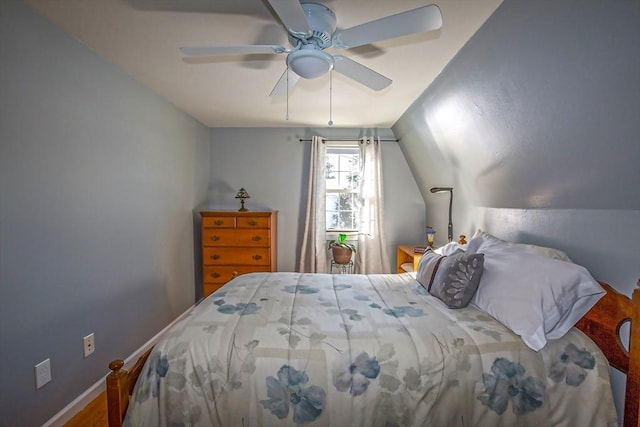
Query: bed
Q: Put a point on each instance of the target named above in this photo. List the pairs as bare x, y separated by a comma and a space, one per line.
368, 350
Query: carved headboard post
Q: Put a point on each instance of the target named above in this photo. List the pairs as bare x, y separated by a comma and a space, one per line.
117, 393
602, 324
632, 395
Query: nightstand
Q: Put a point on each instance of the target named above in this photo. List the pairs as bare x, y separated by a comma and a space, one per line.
406, 259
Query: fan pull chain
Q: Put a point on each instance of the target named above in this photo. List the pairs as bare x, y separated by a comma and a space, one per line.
331, 98
287, 116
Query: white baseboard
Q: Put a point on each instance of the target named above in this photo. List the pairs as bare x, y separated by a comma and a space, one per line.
80, 402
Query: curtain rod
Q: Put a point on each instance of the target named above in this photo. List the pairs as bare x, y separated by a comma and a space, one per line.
350, 139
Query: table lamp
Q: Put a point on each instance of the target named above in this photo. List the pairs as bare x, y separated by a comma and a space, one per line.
242, 194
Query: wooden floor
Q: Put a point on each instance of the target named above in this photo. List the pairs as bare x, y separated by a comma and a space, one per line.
93, 415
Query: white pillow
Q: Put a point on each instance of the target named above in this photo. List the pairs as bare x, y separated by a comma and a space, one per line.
474, 244
537, 297
490, 240
450, 248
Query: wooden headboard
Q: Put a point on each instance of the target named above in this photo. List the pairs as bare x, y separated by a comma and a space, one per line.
602, 324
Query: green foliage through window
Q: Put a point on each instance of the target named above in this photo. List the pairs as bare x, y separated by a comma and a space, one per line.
342, 182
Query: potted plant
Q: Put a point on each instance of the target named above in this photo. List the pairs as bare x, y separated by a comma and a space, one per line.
341, 250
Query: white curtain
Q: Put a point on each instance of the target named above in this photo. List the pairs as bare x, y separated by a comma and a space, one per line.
313, 257
371, 257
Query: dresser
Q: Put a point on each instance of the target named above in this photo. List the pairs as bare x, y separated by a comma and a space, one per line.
235, 243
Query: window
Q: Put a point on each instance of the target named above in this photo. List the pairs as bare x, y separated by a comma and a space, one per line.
342, 187
345, 180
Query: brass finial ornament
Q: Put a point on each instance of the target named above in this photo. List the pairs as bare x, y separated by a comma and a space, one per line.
242, 194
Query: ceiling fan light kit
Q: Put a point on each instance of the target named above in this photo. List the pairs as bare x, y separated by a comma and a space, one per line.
310, 63
312, 28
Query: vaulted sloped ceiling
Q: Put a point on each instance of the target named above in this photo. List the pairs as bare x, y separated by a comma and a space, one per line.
538, 111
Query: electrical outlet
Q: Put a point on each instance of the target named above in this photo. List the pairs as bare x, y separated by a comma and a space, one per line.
43, 373
89, 343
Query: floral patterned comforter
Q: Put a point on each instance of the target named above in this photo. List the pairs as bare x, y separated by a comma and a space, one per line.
285, 349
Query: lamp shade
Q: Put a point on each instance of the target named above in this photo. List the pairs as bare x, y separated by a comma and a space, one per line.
242, 194
441, 189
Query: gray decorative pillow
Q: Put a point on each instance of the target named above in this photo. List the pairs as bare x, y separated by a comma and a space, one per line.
427, 267
456, 279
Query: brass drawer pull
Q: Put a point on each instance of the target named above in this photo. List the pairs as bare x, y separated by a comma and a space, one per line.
215, 275
256, 238
253, 222
218, 222
215, 238
257, 257
215, 256
234, 274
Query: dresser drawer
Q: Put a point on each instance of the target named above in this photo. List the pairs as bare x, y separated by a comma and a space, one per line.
219, 222
252, 222
222, 274
235, 237
236, 243
220, 255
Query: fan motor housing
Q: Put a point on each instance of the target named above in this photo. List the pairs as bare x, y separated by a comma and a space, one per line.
322, 22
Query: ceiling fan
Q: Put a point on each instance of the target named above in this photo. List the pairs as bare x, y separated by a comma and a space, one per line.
312, 29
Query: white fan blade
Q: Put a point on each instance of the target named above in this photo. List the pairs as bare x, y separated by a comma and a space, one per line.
422, 19
292, 15
360, 73
280, 89
231, 50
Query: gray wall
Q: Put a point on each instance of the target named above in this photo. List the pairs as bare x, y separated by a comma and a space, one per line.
536, 124
272, 164
98, 180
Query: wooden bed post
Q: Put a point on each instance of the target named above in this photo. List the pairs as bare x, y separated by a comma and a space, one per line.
120, 383
117, 393
632, 399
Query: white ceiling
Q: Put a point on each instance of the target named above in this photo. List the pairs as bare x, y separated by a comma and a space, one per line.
143, 36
